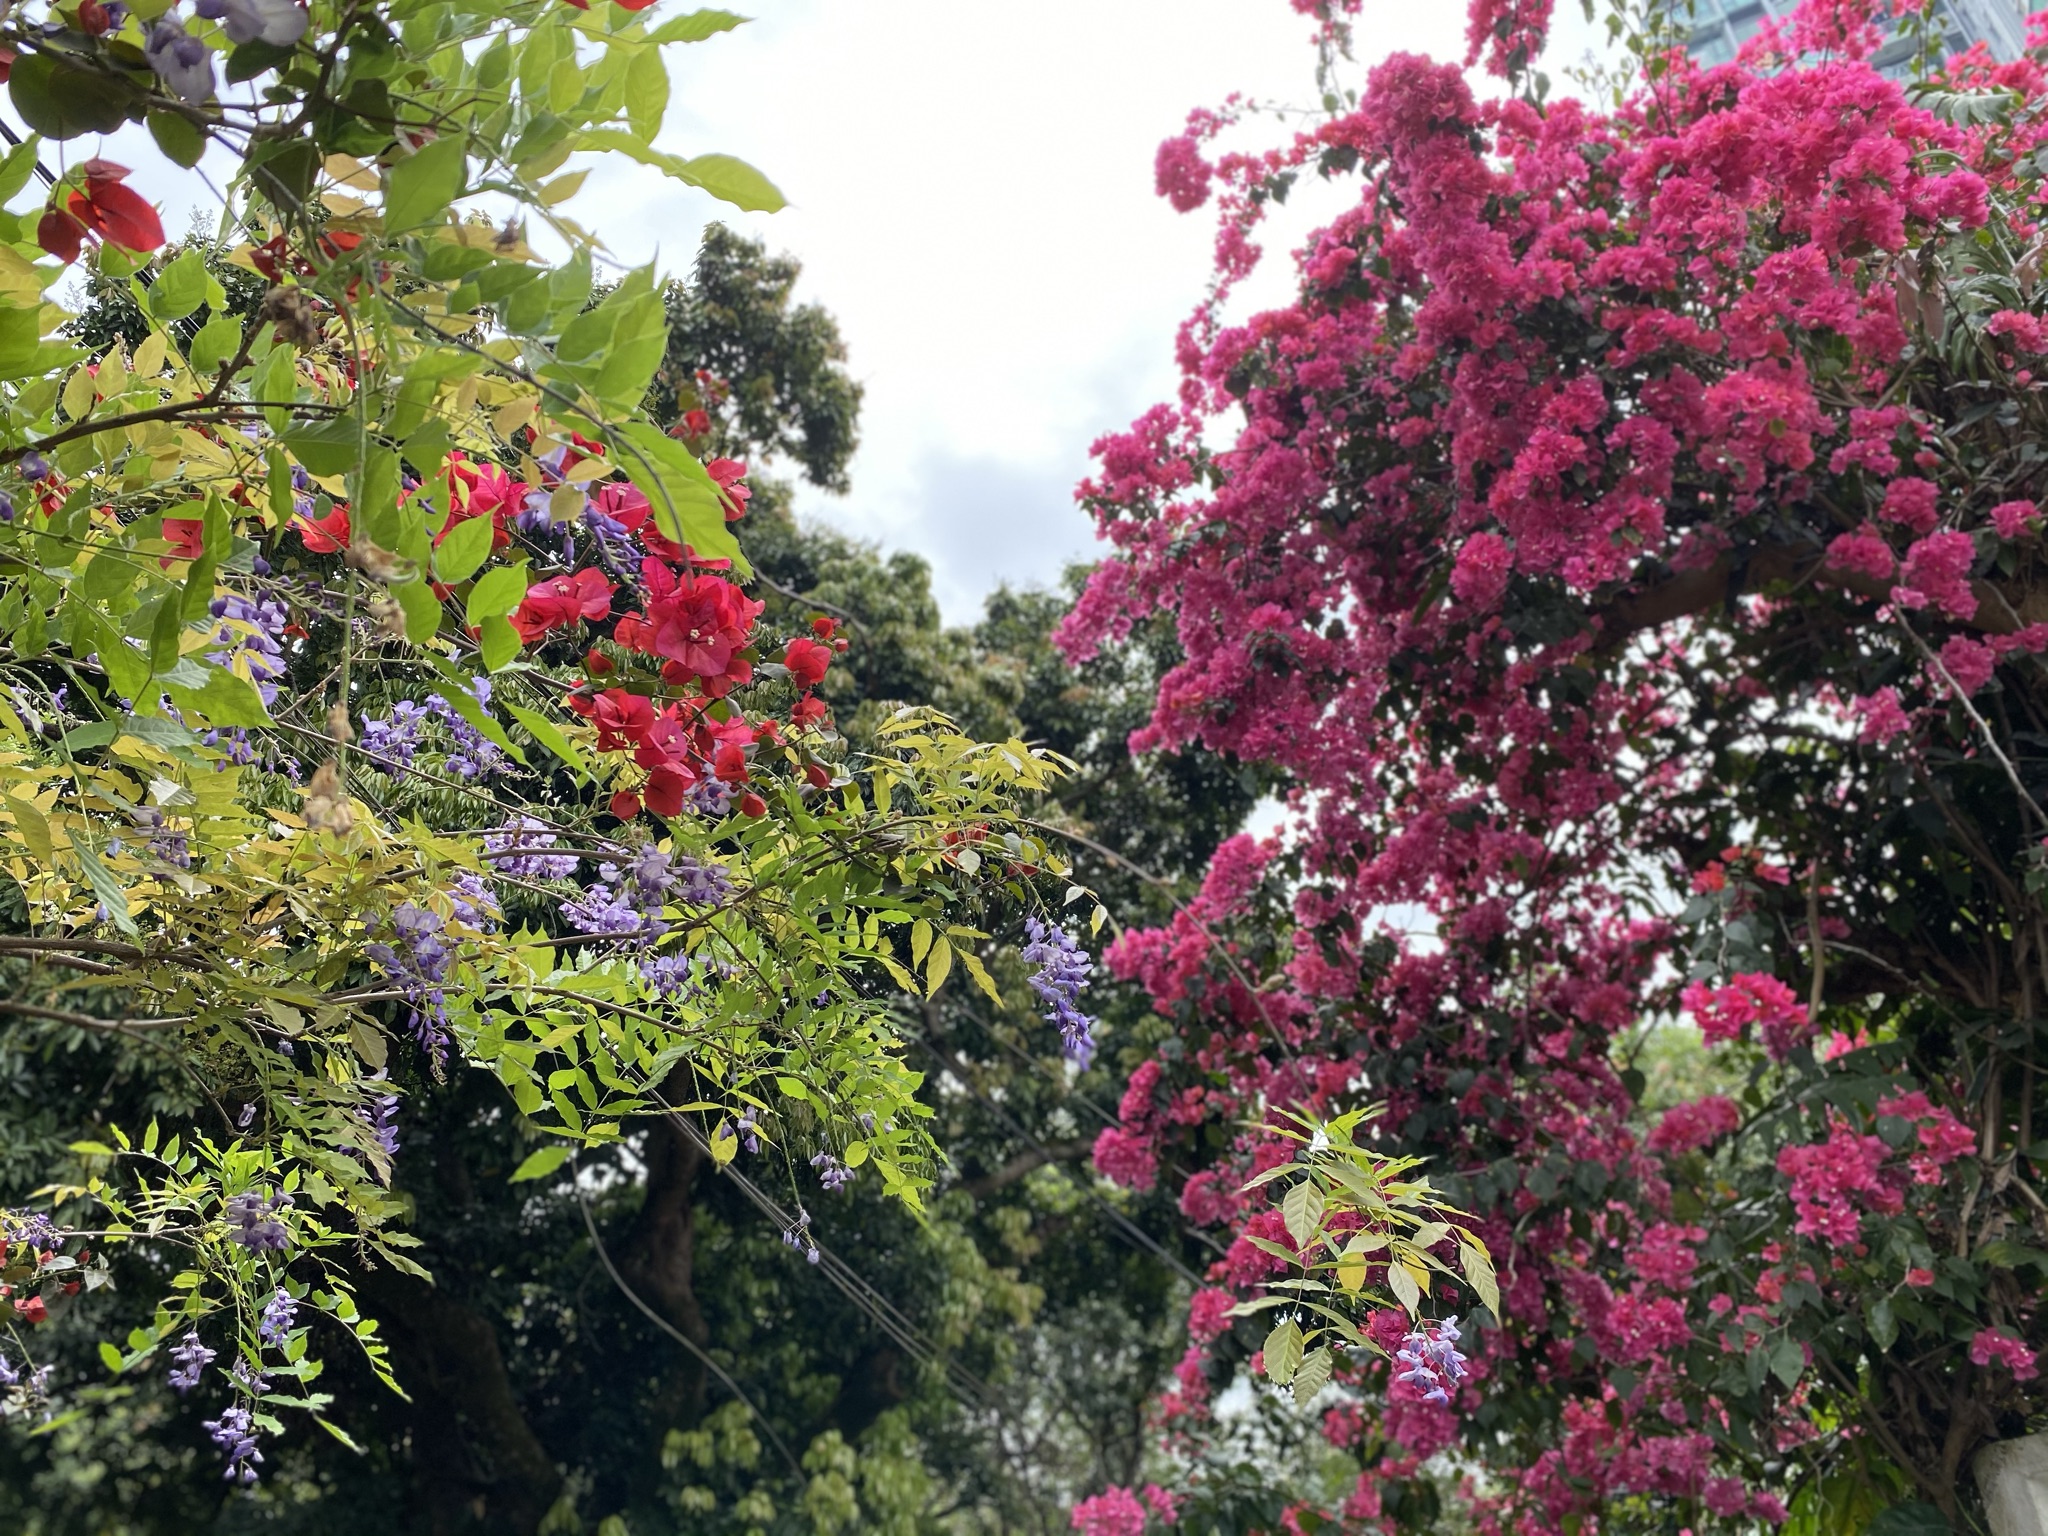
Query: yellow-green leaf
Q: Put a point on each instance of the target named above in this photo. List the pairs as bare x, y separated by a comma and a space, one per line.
541, 1163
1283, 1352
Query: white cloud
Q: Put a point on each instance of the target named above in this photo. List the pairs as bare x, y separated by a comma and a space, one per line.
971, 190
971, 194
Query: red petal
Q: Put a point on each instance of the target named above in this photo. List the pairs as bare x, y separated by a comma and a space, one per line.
60, 234
624, 806
125, 217
100, 172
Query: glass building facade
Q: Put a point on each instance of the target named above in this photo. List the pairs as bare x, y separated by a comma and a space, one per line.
1719, 27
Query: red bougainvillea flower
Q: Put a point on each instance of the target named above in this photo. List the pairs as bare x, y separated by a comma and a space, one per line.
117, 214
623, 719
625, 505
186, 536
807, 661
60, 234
560, 601
809, 711
625, 805
700, 623
325, 535
667, 788
752, 804
728, 473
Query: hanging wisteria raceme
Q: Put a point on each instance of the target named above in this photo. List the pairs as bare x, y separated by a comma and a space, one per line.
1061, 972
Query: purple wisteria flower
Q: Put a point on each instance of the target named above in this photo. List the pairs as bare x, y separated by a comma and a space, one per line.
712, 798
166, 842
1063, 968
470, 754
181, 61
33, 1228
235, 1435
627, 900
33, 466
419, 964
669, 975
279, 1313
381, 1116
798, 1235
394, 741
252, 628
277, 22
476, 905
832, 1173
520, 849
188, 1363
1433, 1365
395, 738
252, 1222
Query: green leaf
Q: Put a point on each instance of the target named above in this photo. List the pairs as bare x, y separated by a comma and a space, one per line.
1311, 1376
214, 345
1788, 1362
1884, 1327
544, 731
338, 1433
647, 92
178, 137
1406, 1291
1302, 1209
110, 1357
62, 102
422, 187
422, 610
688, 505
695, 27
541, 1163
466, 547
1479, 1275
497, 642
223, 700
105, 886
180, 287
1914, 1519
733, 181
16, 169
496, 593
332, 447
1283, 1352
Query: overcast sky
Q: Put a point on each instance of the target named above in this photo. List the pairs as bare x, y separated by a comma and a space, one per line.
971, 195
970, 190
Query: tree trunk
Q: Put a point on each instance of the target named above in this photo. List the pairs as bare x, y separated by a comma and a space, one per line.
478, 1463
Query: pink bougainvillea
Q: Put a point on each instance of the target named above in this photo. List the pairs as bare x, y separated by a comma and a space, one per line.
1625, 487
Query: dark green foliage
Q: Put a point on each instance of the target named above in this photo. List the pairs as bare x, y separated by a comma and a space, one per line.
790, 394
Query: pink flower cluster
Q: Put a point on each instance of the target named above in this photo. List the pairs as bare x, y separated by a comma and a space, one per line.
1117, 1511
1991, 1346
1695, 1125
1727, 1012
